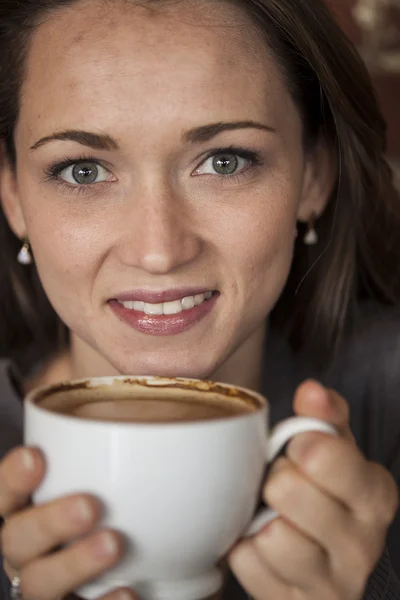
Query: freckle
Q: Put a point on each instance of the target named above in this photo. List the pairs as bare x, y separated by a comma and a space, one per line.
78, 38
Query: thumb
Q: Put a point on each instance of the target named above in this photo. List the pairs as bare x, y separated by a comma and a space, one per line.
312, 399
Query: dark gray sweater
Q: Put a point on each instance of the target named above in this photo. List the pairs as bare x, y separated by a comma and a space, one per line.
367, 373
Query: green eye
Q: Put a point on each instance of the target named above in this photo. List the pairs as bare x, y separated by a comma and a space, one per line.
225, 164
84, 173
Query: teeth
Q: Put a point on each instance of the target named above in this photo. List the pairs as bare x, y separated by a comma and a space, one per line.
153, 309
137, 306
172, 308
188, 303
168, 308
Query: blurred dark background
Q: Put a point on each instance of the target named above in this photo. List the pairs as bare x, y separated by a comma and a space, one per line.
374, 26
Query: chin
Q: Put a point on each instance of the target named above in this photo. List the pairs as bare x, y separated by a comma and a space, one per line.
167, 366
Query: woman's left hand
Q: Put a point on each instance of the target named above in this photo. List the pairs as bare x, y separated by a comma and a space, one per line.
335, 507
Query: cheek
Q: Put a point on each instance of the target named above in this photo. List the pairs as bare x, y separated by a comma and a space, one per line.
260, 240
66, 246
65, 251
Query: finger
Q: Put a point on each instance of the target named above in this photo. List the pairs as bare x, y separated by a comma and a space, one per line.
313, 513
20, 473
295, 558
58, 574
314, 400
37, 530
337, 467
120, 594
260, 582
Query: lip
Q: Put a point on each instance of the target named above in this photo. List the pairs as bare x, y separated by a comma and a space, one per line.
155, 297
163, 325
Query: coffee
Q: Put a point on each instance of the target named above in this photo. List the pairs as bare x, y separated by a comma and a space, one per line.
136, 402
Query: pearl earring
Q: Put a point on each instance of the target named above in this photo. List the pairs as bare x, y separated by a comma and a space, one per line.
24, 255
311, 237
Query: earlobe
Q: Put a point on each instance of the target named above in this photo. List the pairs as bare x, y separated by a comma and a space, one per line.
319, 182
9, 196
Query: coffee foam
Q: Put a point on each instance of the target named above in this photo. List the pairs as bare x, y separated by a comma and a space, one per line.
148, 401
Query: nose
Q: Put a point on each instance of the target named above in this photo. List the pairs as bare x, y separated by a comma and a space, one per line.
160, 232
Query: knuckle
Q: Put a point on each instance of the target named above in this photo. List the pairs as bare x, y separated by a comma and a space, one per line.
279, 485
362, 557
391, 503
19, 475
64, 518
9, 538
320, 456
385, 497
11, 552
75, 565
53, 576
329, 452
47, 522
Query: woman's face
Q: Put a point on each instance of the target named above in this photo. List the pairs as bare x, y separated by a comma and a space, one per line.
159, 158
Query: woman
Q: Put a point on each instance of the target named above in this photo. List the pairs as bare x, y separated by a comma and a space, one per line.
198, 188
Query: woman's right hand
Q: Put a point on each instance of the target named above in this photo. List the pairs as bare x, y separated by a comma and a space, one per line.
31, 536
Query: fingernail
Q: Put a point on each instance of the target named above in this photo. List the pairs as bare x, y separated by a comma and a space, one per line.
125, 595
83, 510
316, 389
27, 459
105, 546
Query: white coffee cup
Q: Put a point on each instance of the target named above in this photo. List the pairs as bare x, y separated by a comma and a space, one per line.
182, 492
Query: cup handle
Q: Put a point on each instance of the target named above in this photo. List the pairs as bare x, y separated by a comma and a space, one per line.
282, 433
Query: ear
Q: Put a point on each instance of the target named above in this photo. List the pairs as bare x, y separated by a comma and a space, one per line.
319, 180
9, 196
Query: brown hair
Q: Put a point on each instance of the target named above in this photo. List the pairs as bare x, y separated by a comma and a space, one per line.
357, 257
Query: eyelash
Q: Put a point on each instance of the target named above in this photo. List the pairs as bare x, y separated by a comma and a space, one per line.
53, 171
252, 156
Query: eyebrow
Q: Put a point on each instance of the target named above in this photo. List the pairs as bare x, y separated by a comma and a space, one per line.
207, 132
99, 141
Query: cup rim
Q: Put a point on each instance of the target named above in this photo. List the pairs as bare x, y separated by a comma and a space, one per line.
257, 400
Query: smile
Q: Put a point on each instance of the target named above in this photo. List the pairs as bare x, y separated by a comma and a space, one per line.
167, 308
170, 312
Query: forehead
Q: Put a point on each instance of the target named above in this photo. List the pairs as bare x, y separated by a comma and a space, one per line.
96, 57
